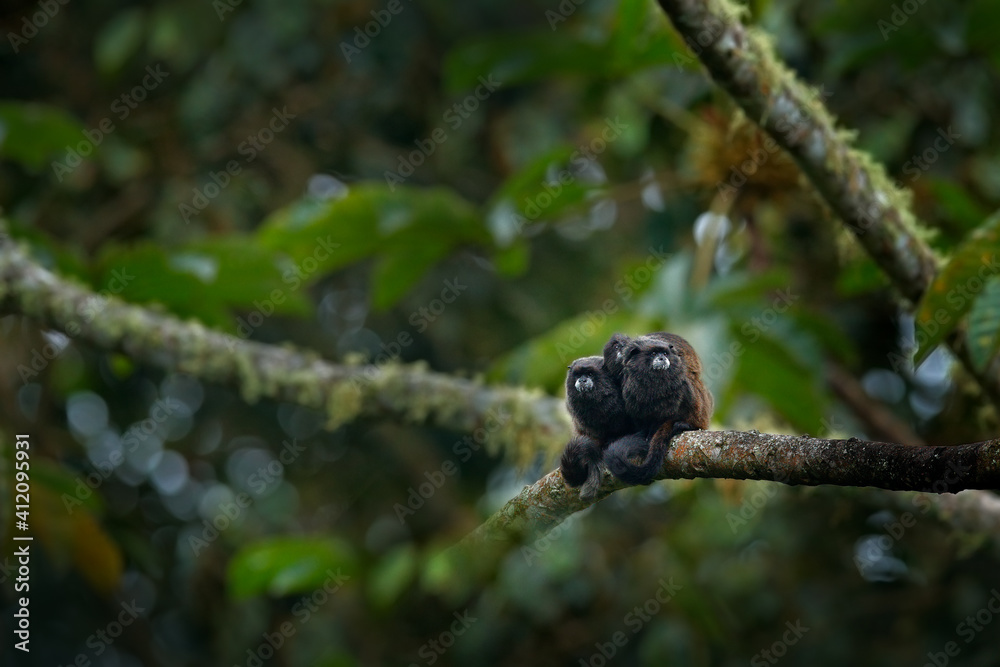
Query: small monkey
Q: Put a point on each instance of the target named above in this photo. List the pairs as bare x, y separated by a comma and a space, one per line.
595, 403
664, 395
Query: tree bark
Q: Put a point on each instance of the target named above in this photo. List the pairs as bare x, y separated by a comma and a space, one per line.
789, 459
742, 62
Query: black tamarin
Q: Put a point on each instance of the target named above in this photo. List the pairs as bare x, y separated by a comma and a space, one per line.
595, 402
664, 395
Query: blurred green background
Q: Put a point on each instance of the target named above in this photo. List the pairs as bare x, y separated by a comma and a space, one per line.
492, 188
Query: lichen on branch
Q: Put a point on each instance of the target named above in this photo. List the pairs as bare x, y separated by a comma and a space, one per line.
511, 419
741, 60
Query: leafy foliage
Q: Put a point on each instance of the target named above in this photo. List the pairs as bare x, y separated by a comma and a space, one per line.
568, 203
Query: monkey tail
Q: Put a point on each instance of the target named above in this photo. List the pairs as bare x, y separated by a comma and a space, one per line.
581, 456
620, 453
618, 456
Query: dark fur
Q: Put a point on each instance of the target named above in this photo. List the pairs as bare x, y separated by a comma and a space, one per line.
595, 403
661, 401
614, 356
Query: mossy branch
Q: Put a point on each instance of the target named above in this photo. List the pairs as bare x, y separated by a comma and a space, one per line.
789, 459
741, 60
514, 419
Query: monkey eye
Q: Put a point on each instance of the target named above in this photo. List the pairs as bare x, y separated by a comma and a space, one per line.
584, 383
661, 361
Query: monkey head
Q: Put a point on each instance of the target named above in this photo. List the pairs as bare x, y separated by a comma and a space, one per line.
595, 402
614, 356
662, 382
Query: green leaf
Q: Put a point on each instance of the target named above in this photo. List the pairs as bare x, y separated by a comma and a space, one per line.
207, 279
392, 575
542, 361
525, 57
406, 230
984, 324
398, 271
546, 188
768, 369
631, 19
119, 40
956, 204
860, 276
642, 38
513, 260
951, 294
248, 273
31, 133
285, 565
744, 291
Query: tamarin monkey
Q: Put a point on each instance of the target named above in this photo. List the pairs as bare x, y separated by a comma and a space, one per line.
614, 356
664, 395
595, 403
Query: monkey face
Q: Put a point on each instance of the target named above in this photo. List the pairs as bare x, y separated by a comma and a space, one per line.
594, 400
614, 356
585, 376
655, 387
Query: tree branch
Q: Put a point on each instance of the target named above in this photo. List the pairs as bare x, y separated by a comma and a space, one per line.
514, 418
789, 459
742, 62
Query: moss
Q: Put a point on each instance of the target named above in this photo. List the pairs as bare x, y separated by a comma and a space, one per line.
343, 404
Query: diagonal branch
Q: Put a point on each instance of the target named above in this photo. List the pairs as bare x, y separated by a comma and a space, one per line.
513, 418
789, 459
742, 62
516, 417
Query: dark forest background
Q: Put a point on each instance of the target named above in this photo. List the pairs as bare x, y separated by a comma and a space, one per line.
491, 189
